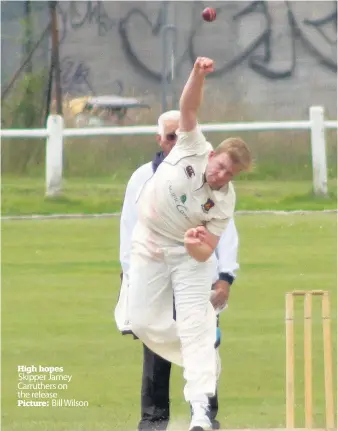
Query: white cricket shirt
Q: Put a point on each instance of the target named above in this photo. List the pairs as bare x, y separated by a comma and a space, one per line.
226, 252
177, 197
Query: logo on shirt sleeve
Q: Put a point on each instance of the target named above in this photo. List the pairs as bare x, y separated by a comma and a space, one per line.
208, 205
189, 171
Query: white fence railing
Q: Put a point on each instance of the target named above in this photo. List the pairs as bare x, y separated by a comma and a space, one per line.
55, 132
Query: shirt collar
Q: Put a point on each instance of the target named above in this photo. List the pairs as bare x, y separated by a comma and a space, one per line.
217, 194
157, 160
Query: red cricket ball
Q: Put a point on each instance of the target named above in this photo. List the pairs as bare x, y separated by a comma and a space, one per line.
209, 14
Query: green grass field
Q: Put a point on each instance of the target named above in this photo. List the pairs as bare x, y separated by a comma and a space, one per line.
26, 195
60, 281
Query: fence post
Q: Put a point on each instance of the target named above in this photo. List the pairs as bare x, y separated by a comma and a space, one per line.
54, 150
318, 150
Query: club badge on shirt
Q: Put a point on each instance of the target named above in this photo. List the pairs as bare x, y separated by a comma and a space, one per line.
208, 205
189, 171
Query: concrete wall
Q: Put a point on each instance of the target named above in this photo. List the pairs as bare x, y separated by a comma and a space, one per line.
274, 59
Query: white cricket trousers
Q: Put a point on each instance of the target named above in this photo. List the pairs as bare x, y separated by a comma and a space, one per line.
160, 272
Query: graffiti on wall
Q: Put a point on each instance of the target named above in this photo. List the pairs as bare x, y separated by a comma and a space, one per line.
75, 15
317, 35
75, 76
278, 31
279, 50
131, 46
75, 72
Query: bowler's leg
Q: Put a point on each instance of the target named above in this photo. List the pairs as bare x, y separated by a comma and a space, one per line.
151, 307
196, 326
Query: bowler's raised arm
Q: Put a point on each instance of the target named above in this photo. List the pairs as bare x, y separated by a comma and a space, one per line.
192, 94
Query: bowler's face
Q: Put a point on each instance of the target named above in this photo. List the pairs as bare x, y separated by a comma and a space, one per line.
220, 170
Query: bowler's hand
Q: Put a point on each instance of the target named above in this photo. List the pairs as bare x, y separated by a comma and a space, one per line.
196, 235
220, 294
191, 237
204, 65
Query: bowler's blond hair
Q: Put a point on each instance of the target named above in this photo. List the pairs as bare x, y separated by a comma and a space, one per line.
238, 152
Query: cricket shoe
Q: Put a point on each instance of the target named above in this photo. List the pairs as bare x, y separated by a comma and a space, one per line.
215, 424
200, 420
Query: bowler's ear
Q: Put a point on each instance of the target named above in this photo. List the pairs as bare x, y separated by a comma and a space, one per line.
158, 138
211, 154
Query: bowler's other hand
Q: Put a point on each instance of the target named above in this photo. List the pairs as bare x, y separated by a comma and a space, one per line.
220, 294
204, 65
192, 237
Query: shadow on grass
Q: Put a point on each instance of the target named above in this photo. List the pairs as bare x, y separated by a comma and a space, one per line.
62, 200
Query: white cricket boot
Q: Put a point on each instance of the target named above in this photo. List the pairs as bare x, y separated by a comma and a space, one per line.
200, 420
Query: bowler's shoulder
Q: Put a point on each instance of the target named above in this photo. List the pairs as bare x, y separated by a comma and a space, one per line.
190, 145
191, 142
231, 190
231, 195
227, 201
